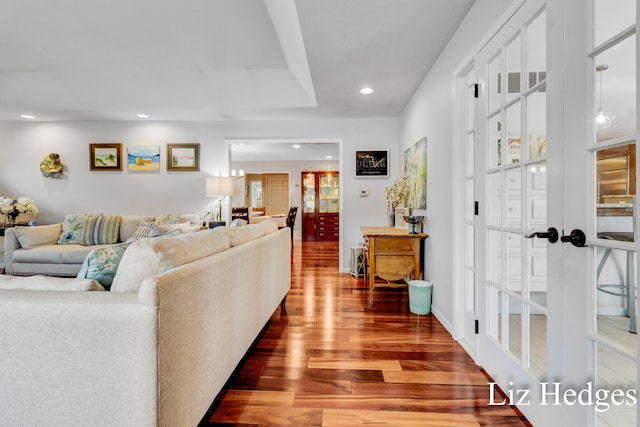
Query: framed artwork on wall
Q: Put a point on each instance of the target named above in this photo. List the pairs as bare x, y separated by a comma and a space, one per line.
415, 169
183, 157
143, 157
372, 163
105, 157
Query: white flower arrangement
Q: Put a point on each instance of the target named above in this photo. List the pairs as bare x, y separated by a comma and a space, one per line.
397, 192
12, 207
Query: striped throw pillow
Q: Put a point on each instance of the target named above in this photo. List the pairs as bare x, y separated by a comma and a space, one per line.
101, 230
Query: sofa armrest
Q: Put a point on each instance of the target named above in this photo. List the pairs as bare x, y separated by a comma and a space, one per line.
77, 359
11, 244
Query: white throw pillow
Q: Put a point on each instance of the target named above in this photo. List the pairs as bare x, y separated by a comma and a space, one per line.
31, 237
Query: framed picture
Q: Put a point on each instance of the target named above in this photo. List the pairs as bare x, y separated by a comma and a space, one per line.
400, 213
143, 157
415, 169
105, 157
183, 157
372, 163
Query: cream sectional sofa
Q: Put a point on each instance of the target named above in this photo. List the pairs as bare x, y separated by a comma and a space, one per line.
42, 254
154, 351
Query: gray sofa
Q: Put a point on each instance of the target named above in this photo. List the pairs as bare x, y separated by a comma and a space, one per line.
155, 350
46, 257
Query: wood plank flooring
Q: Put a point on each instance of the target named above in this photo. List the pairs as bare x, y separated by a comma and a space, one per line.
330, 359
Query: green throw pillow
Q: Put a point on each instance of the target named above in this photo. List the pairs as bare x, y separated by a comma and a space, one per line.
73, 229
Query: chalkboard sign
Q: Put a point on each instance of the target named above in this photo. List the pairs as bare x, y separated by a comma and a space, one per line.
372, 163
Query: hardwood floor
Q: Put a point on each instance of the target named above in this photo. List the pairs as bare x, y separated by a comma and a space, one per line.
331, 359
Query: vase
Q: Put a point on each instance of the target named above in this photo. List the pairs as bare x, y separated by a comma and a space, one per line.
11, 218
391, 216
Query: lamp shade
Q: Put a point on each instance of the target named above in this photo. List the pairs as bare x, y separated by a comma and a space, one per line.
219, 186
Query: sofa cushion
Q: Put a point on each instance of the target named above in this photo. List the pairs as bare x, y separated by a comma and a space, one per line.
72, 229
101, 230
30, 237
102, 263
53, 254
166, 228
45, 283
146, 258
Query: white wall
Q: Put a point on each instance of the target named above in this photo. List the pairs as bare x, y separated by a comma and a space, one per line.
429, 114
24, 145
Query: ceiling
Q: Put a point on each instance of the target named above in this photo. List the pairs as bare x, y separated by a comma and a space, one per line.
217, 59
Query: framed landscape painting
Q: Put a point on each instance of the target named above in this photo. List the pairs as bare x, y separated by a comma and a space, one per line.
143, 157
183, 157
415, 169
105, 157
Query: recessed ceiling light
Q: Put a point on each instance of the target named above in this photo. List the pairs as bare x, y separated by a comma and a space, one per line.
296, 145
142, 116
329, 157
366, 91
27, 116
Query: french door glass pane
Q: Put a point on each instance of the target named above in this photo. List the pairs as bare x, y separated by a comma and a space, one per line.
515, 326
495, 314
611, 17
495, 142
616, 307
514, 198
538, 344
537, 271
514, 61
537, 196
495, 83
514, 262
537, 123
495, 198
537, 50
615, 91
514, 137
616, 192
496, 255
615, 372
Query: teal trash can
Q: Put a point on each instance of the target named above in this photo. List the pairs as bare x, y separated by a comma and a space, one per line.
420, 296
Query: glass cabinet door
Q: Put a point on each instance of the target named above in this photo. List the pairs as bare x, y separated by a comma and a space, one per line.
329, 193
309, 193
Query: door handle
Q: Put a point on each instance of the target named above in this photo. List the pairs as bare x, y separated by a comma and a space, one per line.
551, 234
577, 238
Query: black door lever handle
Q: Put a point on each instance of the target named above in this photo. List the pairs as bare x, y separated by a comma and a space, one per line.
577, 238
551, 234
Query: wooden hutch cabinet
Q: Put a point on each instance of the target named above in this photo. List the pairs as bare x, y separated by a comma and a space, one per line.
320, 205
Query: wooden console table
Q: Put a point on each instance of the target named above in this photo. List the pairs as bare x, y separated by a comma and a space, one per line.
391, 254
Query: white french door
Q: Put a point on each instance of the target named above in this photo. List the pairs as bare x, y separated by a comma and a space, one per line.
551, 260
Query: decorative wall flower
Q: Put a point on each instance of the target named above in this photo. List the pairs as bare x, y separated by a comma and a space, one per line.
12, 207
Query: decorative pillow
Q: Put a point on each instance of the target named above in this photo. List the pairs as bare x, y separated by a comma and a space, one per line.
101, 264
101, 230
30, 237
168, 219
72, 229
144, 229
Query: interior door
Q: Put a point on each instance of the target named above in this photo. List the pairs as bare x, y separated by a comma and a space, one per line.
276, 190
513, 158
555, 175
